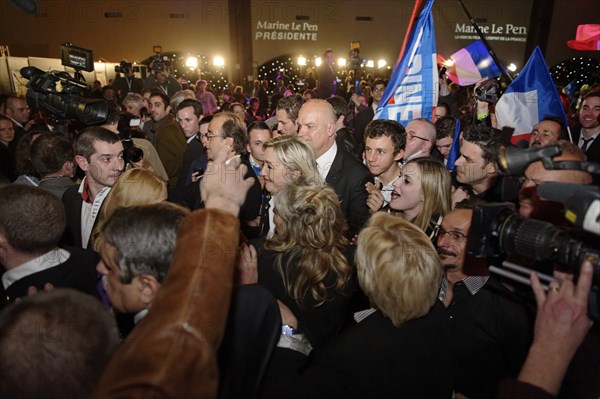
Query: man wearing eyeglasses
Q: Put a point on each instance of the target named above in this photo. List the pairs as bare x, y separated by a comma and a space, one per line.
488, 326
420, 138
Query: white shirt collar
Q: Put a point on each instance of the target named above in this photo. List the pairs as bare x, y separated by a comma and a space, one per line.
15, 122
325, 161
189, 139
140, 315
593, 136
50, 259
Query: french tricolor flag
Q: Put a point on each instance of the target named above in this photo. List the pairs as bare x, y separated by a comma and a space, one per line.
470, 64
529, 98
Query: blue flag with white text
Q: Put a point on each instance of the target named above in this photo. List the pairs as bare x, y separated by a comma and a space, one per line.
413, 88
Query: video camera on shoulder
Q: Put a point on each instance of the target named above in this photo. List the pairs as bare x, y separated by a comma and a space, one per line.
124, 67
159, 62
63, 96
496, 229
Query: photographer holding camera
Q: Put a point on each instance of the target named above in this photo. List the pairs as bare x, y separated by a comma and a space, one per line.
488, 325
127, 83
159, 78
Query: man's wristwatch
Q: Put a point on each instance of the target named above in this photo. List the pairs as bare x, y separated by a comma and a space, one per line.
288, 330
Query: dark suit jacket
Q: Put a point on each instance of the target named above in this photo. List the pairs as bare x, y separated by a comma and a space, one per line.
593, 150
360, 122
263, 98
72, 202
348, 176
193, 150
374, 359
7, 164
170, 145
78, 272
326, 77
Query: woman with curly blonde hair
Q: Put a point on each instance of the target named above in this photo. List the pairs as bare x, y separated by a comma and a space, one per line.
304, 264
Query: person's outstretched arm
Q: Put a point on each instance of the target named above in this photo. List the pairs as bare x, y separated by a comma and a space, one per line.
171, 353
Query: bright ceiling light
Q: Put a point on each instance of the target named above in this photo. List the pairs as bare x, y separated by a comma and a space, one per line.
191, 62
218, 61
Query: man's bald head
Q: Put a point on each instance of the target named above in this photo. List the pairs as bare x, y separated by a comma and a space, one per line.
316, 124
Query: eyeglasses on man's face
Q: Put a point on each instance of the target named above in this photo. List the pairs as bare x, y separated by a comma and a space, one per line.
413, 135
453, 234
207, 136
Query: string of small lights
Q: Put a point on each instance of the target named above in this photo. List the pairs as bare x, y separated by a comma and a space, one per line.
577, 70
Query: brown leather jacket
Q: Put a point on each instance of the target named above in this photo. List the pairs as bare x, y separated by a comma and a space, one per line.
171, 353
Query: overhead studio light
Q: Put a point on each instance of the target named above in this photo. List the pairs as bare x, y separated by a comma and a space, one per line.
381, 63
341, 62
218, 61
318, 61
301, 61
191, 62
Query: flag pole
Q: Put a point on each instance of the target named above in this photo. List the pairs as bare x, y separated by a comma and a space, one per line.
486, 44
413, 17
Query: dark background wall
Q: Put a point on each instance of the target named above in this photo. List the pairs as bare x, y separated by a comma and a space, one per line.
128, 29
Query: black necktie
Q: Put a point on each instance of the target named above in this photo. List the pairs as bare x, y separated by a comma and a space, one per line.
586, 142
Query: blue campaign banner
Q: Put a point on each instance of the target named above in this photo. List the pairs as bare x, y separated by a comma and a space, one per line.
413, 88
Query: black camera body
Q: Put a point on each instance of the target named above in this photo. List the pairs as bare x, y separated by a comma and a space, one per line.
159, 63
62, 96
124, 67
488, 91
498, 230
131, 153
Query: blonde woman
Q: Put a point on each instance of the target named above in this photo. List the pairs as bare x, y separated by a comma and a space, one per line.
304, 264
422, 193
134, 187
286, 158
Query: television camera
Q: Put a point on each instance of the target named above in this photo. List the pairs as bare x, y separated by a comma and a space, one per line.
496, 230
62, 95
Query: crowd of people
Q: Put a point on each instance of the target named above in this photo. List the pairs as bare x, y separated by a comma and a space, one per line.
277, 244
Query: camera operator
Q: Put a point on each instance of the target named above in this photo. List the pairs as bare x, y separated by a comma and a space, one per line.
488, 325
18, 111
127, 82
121, 124
531, 205
159, 79
561, 325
